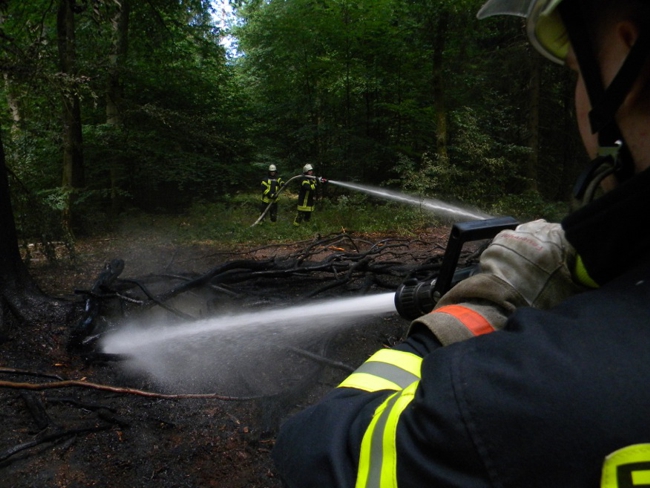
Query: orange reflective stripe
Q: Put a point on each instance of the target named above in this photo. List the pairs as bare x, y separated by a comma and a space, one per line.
474, 321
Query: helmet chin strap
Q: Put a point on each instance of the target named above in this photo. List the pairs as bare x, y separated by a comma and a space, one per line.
614, 157
600, 168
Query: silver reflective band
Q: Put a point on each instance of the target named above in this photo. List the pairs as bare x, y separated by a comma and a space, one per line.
390, 372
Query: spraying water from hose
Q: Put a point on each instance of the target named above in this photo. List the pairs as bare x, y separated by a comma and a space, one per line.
241, 354
452, 212
258, 352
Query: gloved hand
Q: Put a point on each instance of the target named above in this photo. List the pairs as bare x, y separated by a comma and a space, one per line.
321, 179
529, 266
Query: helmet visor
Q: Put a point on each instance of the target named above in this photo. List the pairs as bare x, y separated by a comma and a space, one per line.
545, 29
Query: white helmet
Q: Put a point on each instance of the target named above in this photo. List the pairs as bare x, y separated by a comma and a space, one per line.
272, 168
307, 167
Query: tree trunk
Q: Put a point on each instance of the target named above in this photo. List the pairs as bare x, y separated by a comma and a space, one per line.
114, 93
20, 297
73, 166
533, 122
13, 104
438, 86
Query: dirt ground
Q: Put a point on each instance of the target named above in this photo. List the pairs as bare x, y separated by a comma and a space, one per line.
76, 436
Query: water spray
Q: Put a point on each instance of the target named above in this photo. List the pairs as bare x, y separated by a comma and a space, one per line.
451, 211
260, 352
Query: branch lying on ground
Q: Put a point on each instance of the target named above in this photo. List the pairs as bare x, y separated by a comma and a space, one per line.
336, 261
117, 389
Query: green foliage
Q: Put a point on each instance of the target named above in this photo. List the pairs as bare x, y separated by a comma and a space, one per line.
232, 224
479, 171
530, 206
347, 86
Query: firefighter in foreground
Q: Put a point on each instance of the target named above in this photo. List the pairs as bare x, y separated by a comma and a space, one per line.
535, 372
270, 187
307, 194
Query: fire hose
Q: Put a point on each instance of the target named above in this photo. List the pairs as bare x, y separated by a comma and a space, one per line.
415, 298
320, 179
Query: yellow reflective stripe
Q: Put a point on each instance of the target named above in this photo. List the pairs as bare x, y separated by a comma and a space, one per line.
378, 457
580, 273
387, 369
627, 467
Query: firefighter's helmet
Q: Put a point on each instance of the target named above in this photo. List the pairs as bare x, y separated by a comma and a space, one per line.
307, 167
272, 168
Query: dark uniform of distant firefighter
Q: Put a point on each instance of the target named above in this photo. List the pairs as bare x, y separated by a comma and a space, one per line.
270, 187
534, 372
307, 194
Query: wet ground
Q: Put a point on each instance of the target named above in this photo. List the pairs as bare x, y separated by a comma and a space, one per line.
76, 436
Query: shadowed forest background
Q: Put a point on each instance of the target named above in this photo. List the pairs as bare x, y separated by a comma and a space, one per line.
111, 107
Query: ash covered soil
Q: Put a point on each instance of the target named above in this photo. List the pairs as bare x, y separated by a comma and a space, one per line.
77, 436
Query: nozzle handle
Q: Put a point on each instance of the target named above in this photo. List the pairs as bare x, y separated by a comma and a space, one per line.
462, 232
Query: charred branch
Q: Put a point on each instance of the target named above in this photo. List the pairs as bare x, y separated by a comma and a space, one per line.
337, 262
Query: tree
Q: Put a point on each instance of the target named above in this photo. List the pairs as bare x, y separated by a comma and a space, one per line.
20, 296
73, 161
115, 91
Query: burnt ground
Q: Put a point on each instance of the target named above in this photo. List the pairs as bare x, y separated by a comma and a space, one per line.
77, 436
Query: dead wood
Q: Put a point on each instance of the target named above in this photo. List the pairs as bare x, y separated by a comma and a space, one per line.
117, 389
335, 262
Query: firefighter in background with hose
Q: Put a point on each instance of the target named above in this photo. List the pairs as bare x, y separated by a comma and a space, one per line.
307, 194
270, 188
534, 372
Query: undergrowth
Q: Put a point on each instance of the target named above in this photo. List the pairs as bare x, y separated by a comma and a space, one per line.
231, 224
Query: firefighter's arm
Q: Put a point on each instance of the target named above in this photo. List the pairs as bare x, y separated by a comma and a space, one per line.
528, 266
342, 440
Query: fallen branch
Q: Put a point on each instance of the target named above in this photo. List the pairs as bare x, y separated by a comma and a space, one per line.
117, 389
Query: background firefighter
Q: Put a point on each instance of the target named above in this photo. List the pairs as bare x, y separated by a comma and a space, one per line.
533, 372
307, 195
270, 187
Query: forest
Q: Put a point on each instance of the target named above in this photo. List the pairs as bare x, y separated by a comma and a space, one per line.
114, 105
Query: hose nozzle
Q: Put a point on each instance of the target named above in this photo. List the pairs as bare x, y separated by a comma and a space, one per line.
415, 298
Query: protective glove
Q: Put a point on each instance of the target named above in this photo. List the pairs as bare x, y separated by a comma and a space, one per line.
528, 266
321, 179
